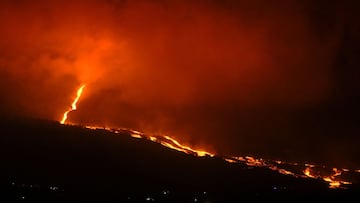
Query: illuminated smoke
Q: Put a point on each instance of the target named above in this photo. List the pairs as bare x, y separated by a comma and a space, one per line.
233, 77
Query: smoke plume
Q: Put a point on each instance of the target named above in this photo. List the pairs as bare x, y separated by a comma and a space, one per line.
239, 77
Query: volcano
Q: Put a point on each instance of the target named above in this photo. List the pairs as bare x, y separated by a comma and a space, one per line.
45, 160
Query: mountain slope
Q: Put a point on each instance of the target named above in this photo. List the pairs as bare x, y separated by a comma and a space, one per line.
71, 162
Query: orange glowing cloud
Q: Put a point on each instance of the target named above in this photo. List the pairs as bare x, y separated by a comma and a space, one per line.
232, 75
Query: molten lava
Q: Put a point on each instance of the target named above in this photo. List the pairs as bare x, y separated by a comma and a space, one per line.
287, 168
73, 105
294, 169
332, 180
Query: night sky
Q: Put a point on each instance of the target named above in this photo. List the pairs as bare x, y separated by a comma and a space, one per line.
266, 78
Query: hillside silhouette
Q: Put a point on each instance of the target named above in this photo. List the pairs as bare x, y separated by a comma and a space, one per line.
44, 160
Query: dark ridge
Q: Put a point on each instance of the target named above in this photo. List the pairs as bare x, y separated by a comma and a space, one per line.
44, 160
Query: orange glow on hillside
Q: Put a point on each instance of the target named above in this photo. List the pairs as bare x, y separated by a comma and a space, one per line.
287, 168
297, 170
333, 180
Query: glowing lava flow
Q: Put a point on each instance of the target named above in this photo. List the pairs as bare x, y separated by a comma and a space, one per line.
73, 105
287, 168
330, 179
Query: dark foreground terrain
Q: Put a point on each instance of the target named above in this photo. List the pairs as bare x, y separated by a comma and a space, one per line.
43, 160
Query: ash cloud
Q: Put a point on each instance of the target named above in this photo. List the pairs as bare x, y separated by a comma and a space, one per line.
239, 77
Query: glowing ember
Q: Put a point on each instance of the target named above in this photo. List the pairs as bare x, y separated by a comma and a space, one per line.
308, 173
135, 136
333, 180
285, 172
73, 105
186, 149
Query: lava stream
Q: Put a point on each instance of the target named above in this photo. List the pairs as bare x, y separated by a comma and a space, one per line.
73, 105
287, 168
